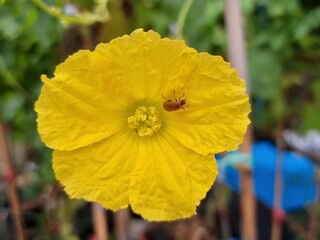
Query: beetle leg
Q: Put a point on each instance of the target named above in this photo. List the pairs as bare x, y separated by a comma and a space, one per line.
174, 95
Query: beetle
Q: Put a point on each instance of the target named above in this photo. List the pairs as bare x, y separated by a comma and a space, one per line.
174, 105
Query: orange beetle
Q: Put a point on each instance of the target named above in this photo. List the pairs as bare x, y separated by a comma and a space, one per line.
174, 105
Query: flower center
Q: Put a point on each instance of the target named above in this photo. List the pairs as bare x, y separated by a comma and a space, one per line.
145, 121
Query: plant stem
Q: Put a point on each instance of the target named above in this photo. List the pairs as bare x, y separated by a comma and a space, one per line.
15, 207
182, 17
84, 19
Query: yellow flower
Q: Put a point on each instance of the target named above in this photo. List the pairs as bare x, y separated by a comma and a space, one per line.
114, 143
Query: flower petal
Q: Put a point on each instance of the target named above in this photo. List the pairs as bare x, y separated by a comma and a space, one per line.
99, 172
161, 182
150, 64
80, 105
216, 116
169, 180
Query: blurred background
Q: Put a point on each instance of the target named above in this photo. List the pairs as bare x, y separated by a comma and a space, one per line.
283, 58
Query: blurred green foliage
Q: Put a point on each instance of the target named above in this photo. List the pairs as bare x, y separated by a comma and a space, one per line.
28, 38
283, 45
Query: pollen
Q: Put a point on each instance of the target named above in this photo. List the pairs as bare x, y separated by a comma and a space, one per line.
145, 121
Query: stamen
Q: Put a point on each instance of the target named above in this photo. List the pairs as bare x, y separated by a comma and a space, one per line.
145, 121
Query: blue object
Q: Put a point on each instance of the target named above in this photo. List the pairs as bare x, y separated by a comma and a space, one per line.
299, 185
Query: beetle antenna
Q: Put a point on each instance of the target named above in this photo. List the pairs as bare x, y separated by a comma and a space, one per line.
164, 97
187, 91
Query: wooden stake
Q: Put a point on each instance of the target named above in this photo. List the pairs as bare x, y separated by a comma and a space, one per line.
314, 221
15, 207
237, 57
278, 214
276, 230
99, 222
122, 218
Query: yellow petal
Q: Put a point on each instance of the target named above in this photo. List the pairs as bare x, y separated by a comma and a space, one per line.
150, 64
99, 172
216, 116
169, 180
80, 105
95, 71
157, 176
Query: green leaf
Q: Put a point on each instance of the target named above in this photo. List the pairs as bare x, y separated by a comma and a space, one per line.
9, 27
265, 73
